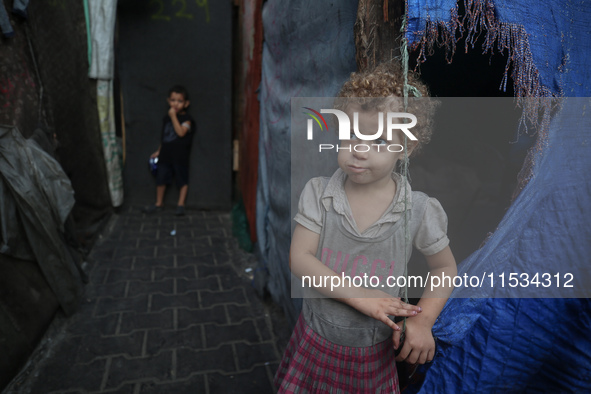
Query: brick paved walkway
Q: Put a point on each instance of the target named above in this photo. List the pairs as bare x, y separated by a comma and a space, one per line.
162, 314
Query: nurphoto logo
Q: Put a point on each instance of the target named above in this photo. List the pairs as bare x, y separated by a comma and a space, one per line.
393, 120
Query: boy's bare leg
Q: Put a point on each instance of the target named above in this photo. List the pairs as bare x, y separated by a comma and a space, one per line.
160, 189
183, 195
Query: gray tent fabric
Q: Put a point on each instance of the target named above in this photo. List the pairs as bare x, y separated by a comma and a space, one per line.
36, 198
297, 62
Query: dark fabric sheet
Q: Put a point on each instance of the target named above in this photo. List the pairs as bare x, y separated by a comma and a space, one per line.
37, 197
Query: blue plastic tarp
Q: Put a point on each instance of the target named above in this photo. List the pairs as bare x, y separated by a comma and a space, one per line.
513, 344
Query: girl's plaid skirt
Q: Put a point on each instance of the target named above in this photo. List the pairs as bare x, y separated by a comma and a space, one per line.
312, 364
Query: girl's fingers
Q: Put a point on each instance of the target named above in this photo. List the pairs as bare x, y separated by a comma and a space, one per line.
423, 358
396, 338
404, 312
404, 353
386, 319
402, 305
430, 355
413, 357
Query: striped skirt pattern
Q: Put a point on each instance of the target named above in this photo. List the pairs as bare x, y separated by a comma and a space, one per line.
312, 364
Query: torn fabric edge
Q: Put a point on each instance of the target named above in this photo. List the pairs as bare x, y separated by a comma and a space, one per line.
479, 18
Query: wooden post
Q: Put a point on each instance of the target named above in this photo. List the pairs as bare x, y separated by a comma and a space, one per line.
377, 31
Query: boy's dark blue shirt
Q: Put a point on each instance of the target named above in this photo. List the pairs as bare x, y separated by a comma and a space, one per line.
176, 149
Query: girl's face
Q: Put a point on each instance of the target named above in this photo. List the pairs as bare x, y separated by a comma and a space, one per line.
370, 162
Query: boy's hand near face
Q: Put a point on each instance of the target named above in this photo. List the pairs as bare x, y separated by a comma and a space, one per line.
172, 112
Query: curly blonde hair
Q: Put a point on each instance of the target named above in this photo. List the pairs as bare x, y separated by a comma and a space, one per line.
381, 89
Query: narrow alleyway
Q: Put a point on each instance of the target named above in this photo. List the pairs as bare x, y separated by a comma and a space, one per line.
169, 309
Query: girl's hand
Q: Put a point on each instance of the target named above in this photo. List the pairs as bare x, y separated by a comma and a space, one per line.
380, 305
419, 344
155, 154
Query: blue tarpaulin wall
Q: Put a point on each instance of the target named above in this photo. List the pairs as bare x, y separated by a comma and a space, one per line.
513, 344
484, 344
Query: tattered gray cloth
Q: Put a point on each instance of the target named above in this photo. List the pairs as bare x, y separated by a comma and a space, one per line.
36, 197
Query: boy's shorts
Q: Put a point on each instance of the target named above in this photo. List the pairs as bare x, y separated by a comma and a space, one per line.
166, 172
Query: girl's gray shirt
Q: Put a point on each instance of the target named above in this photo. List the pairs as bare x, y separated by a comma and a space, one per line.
377, 256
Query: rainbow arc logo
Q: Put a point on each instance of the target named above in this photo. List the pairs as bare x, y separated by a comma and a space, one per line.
315, 115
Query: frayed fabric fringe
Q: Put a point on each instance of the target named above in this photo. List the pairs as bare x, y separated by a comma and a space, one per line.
532, 96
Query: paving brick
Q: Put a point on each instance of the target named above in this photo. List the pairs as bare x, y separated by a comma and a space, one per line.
120, 263
126, 389
220, 241
217, 257
255, 301
162, 242
86, 306
251, 354
189, 360
92, 347
209, 249
195, 260
209, 298
126, 239
231, 281
140, 321
204, 231
107, 306
185, 285
216, 334
126, 370
160, 301
181, 233
134, 252
151, 262
136, 288
98, 275
60, 376
144, 234
165, 227
119, 275
171, 339
264, 329
183, 227
106, 290
110, 244
188, 317
220, 270
102, 254
255, 381
86, 325
179, 250
239, 312
181, 272
139, 220
194, 385
273, 367
133, 228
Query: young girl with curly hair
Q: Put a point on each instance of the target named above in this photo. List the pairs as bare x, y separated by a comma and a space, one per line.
363, 222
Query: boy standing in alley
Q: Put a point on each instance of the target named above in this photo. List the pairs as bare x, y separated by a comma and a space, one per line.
178, 129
